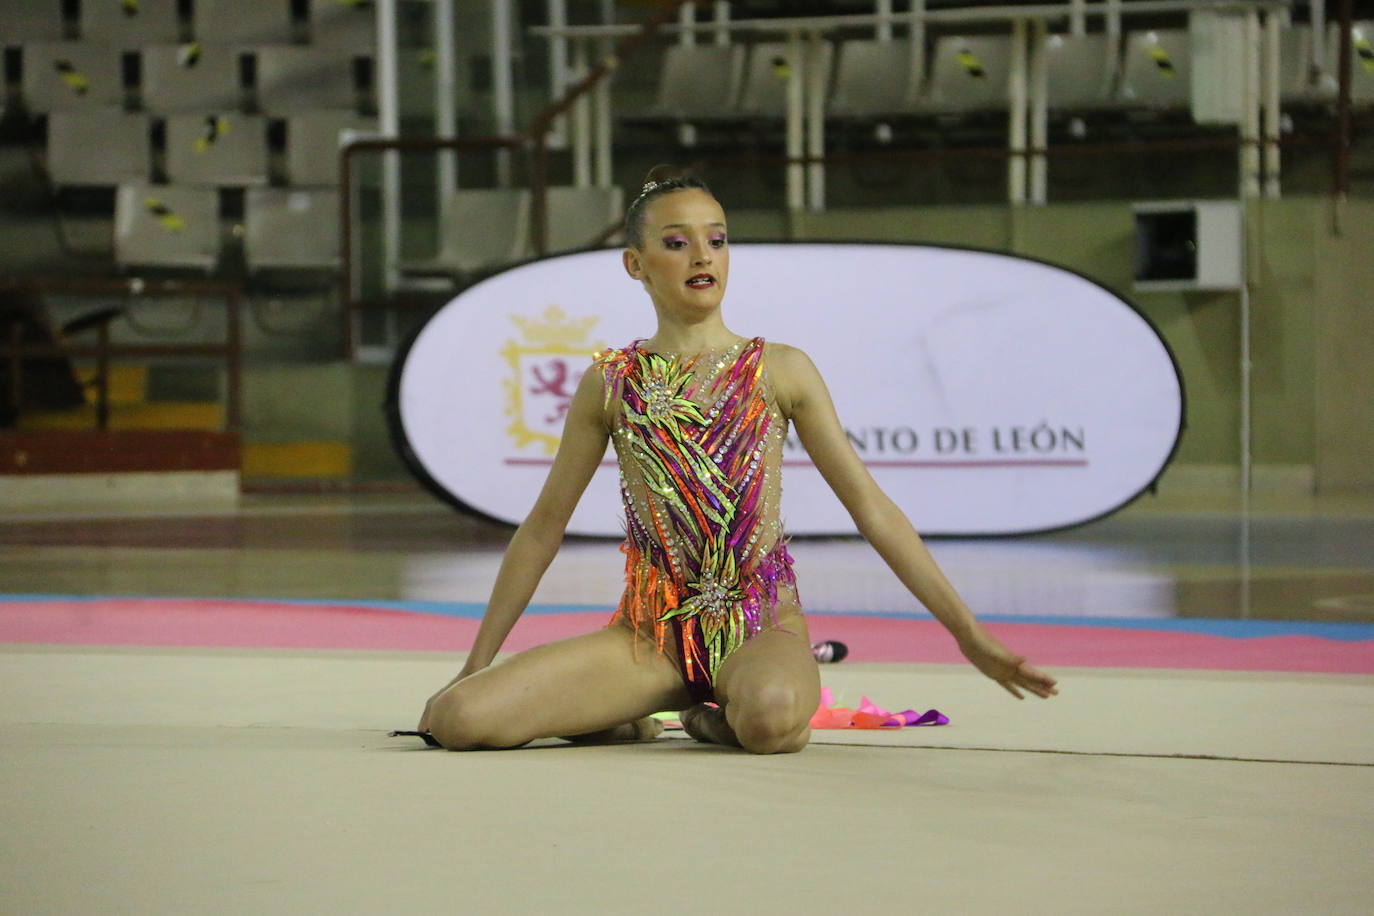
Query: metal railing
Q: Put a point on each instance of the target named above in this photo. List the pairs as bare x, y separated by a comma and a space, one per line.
534, 141
1257, 142
15, 351
1027, 134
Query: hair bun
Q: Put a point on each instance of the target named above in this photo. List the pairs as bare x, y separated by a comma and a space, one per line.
661, 173
661, 179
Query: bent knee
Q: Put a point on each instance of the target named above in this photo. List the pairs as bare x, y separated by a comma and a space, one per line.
460, 723
777, 744
772, 720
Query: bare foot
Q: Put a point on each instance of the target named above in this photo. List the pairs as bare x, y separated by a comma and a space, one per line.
645, 729
707, 724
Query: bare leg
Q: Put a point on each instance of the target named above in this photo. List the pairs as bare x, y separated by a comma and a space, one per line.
708, 725
645, 729
768, 690
593, 687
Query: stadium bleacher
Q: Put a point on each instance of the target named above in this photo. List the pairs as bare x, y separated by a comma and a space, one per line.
166, 226
98, 147
221, 94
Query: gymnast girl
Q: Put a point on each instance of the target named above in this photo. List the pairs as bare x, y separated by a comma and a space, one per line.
709, 623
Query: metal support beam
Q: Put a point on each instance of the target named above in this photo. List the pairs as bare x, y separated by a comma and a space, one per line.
605, 124
1016, 127
1112, 27
1320, 64
389, 122
557, 11
815, 121
721, 18
1273, 20
1250, 110
581, 119
1344, 118
604, 127
916, 38
796, 117
503, 83
1039, 113
445, 94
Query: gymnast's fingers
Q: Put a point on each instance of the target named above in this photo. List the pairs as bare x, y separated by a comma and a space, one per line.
1037, 681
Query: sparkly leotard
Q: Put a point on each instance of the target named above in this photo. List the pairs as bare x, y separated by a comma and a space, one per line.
699, 439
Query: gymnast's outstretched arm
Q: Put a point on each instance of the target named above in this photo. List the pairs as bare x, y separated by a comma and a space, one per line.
536, 542
805, 400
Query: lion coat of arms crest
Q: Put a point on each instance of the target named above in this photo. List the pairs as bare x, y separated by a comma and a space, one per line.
545, 367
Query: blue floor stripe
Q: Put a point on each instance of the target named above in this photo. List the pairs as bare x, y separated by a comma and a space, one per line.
1234, 629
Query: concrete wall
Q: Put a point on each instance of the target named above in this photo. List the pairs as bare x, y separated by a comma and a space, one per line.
1343, 311
328, 403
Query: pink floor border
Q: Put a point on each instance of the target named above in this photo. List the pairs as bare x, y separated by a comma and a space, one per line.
197, 622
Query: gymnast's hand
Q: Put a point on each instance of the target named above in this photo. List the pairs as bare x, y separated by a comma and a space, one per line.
424, 716
429, 704
1005, 667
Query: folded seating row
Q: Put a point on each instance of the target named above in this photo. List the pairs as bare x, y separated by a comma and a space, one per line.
106, 146
484, 228
176, 226
968, 73
341, 25
57, 76
179, 226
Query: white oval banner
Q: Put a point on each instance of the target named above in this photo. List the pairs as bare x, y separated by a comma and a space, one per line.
988, 393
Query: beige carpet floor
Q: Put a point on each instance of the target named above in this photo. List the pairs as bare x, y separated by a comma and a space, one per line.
213, 781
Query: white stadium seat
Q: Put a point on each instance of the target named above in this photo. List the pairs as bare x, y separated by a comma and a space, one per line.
71, 74
98, 147
344, 26
968, 73
238, 22
166, 226
217, 149
578, 215
1295, 64
699, 82
292, 79
767, 75
313, 139
874, 78
1157, 69
130, 25
1080, 71
31, 20
1362, 59
291, 229
191, 77
480, 228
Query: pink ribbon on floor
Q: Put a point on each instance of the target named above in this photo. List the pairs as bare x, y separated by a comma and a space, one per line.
870, 715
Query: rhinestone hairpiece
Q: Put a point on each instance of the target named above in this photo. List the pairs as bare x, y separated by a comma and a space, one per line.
648, 186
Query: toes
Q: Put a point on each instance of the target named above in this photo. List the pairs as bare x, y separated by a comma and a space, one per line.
647, 728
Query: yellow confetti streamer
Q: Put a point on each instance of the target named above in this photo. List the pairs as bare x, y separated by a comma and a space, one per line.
1162, 61
215, 127
76, 81
169, 220
972, 66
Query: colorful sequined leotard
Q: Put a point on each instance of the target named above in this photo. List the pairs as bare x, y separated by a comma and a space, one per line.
700, 442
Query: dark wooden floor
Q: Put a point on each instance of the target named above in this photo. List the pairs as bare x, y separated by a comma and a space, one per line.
1301, 559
